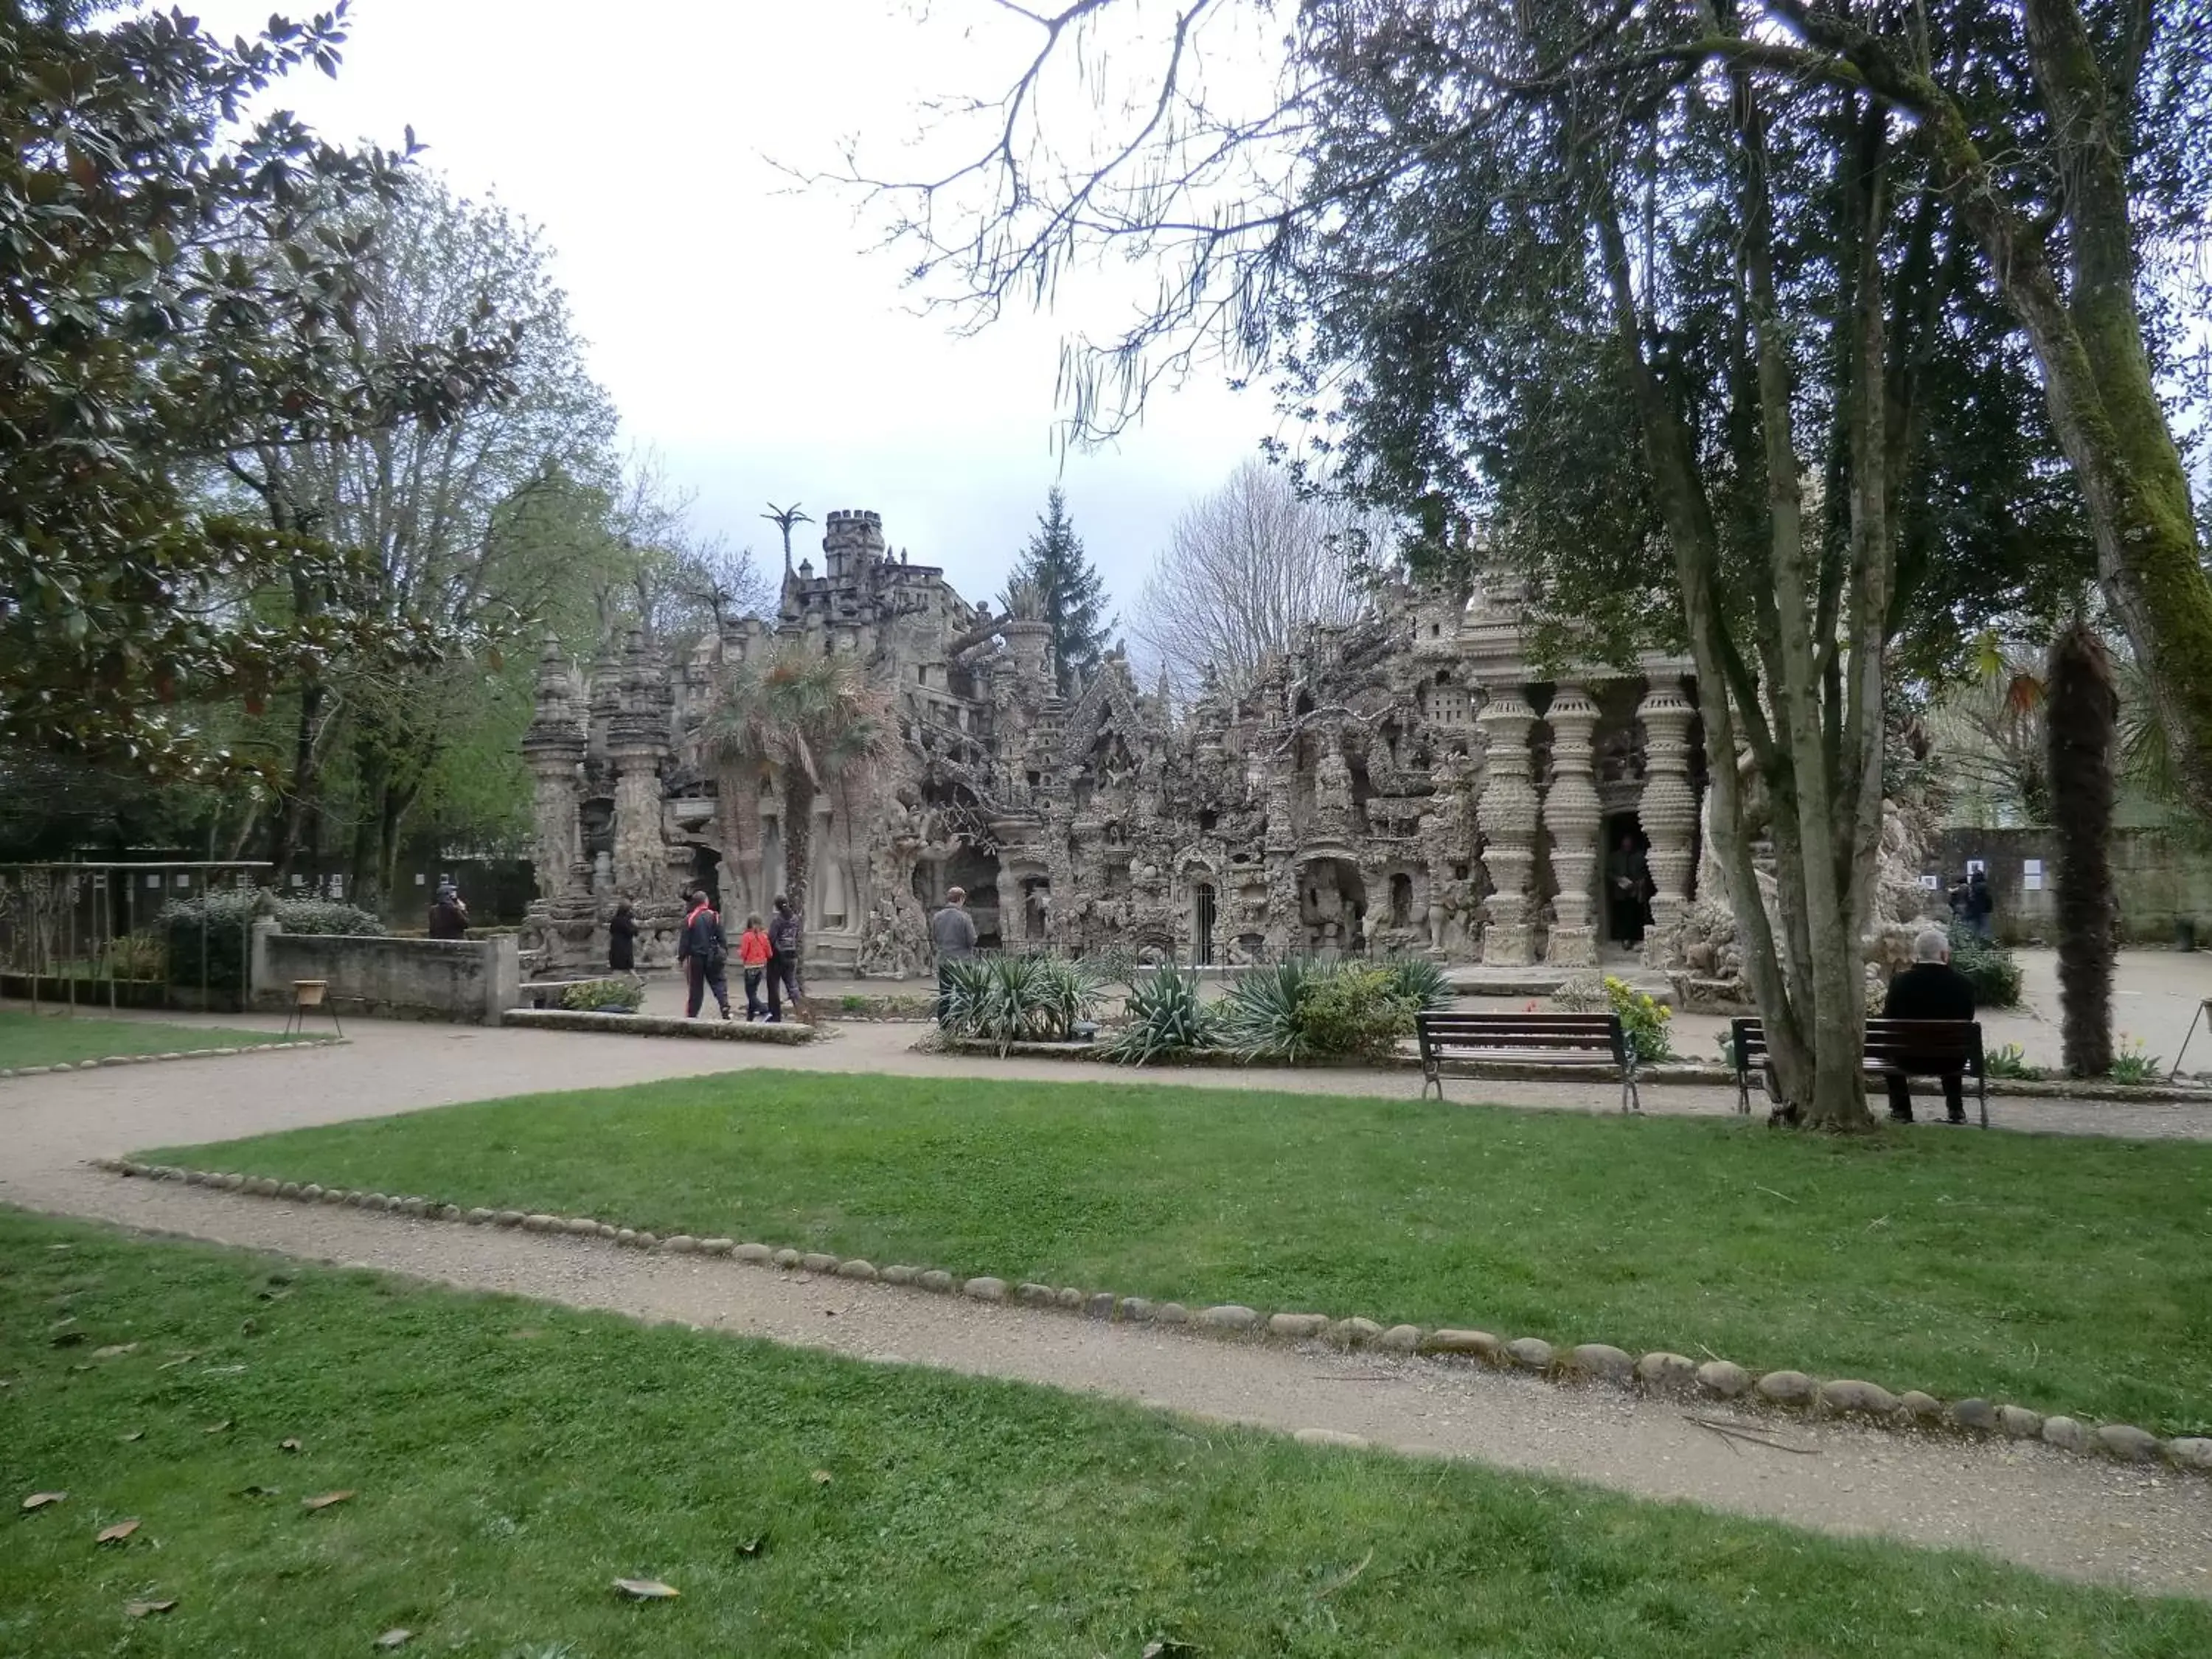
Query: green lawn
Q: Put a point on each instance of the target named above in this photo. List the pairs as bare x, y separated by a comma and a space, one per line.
508, 1461
54, 1039
2065, 1274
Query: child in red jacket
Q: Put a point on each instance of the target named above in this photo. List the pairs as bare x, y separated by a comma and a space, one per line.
752, 957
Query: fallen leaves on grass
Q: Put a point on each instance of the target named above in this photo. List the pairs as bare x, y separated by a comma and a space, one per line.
181, 1359
646, 1589
134, 1434
821, 1477
140, 1609
751, 1547
261, 1492
289, 1445
222, 1427
115, 1351
325, 1500
116, 1533
395, 1637
39, 1500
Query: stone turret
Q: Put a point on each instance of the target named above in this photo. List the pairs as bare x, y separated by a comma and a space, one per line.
559, 922
851, 542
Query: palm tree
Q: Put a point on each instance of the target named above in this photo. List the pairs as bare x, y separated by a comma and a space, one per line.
784, 519
810, 717
2081, 716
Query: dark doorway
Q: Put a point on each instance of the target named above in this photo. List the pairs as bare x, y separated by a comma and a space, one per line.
1203, 907
1627, 875
707, 873
1402, 901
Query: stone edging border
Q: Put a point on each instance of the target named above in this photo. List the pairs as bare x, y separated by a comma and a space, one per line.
280, 1047
725, 1031
1683, 1074
1657, 1372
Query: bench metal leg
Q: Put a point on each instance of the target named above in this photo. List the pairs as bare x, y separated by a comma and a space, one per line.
1433, 1080
1631, 1097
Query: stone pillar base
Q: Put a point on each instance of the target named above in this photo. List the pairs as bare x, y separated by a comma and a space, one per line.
1509, 945
1573, 947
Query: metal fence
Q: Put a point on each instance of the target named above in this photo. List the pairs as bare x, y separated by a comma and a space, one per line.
93, 935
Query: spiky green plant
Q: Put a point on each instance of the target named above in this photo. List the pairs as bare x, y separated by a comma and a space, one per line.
1259, 1018
1420, 980
1164, 1015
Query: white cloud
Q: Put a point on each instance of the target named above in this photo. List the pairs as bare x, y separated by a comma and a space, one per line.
737, 320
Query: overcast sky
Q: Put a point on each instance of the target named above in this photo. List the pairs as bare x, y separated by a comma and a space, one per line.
739, 322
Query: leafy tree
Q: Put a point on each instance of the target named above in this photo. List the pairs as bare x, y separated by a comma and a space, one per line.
1719, 349
176, 286
2082, 714
1073, 592
1247, 567
447, 521
810, 717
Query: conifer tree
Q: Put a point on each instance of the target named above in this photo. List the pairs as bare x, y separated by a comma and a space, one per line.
1074, 593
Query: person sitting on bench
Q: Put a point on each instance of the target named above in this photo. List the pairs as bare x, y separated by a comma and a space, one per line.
1929, 989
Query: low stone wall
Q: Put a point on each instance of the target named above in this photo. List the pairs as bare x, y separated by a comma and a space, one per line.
712, 1031
471, 981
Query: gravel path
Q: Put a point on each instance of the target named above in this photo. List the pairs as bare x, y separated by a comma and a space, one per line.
2147, 1529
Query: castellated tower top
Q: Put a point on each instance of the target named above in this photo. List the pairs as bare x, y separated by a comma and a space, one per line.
852, 539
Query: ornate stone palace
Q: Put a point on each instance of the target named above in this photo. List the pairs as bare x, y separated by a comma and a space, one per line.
1410, 782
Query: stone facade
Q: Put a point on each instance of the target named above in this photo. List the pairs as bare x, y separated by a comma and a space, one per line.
1410, 782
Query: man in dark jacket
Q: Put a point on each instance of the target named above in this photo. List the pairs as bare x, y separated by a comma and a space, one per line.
704, 949
1929, 989
783, 958
449, 917
952, 936
621, 939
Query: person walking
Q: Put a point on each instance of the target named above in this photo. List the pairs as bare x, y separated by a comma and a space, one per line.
1981, 906
783, 958
622, 938
1929, 989
952, 936
753, 953
704, 949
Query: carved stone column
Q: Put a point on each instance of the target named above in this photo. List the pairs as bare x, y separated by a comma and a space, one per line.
1571, 819
637, 742
1507, 813
559, 919
1669, 811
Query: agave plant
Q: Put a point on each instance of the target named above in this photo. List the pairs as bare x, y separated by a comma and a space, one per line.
1419, 980
1006, 1000
1165, 1016
1259, 1018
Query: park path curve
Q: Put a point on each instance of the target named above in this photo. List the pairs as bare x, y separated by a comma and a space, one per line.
2144, 1527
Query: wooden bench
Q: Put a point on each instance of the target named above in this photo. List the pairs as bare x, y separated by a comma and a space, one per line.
1540, 1039
1907, 1048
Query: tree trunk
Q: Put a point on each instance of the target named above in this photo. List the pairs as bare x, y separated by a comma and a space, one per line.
799, 793
289, 836
371, 784
2083, 719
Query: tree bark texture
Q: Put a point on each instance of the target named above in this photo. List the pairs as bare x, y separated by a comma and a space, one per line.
2082, 717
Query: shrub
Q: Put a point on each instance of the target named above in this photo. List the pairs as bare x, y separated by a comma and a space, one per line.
1164, 1016
1582, 994
2133, 1064
1643, 1019
1018, 998
1420, 980
1355, 1012
206, 935
138, 955
1259, 1018
2011, 1060
602, 996
1301, 1010
1989, 967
